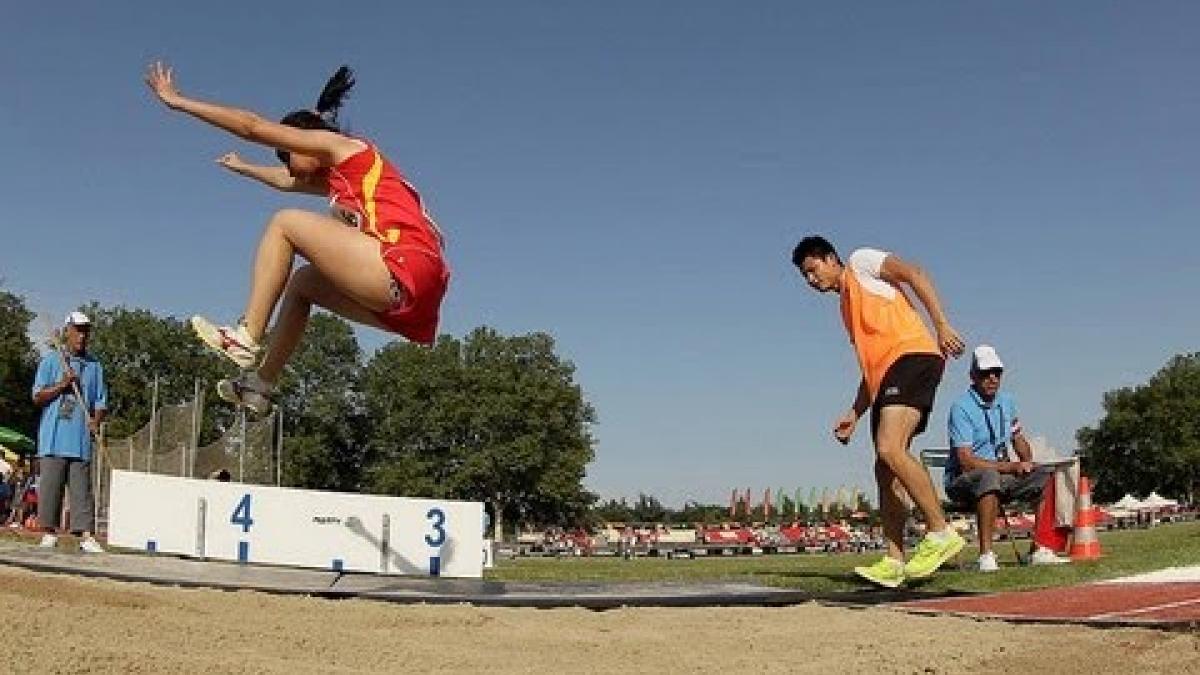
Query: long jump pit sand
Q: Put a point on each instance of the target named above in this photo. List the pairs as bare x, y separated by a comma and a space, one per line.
66, 624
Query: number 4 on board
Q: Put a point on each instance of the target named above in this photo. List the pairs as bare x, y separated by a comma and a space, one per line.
241, 514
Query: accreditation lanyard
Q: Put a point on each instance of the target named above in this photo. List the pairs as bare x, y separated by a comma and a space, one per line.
1001, 449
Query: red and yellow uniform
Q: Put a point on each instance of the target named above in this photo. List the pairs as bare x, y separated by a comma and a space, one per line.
365, 190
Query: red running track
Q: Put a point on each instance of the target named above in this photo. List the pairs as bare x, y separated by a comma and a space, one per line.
1169, 604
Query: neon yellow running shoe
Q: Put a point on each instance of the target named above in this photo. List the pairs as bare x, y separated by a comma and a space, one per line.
932, 553
888, 572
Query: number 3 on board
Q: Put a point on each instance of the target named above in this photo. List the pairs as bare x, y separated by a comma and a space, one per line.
241, 514
438, 517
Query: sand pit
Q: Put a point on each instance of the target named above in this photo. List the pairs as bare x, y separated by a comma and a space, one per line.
71, 624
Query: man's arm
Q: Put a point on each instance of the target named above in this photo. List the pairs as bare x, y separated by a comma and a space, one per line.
1016, 437
862, 399
45, 395
898, 271
969, 461
95, 419
45, 388
1024, 451
843, 429
100, 405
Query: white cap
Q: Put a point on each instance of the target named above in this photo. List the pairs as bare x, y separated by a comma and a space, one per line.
77, 319
986, 358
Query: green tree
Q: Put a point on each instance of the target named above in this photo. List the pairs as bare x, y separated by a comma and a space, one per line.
1149, 436
324, 421
612, 511
647, 509
494, 418
706, 514
135, 346
803, 513
787, 509
18, 360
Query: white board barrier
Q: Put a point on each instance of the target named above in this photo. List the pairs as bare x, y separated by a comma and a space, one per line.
288, 526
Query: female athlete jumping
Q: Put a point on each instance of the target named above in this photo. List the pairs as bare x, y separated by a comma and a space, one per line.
386, 270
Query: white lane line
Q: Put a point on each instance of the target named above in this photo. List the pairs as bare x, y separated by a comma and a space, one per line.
1168, 575
1145, 610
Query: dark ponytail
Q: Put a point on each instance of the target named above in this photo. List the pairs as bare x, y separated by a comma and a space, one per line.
335, 91
328, 104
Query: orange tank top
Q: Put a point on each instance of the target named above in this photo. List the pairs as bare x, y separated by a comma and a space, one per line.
882, 323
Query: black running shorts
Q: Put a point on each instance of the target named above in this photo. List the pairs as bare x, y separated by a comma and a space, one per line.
911, 381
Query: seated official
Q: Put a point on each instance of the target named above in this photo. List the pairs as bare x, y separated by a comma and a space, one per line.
979, 473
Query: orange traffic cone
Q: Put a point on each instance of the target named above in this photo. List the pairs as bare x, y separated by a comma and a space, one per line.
1085, 545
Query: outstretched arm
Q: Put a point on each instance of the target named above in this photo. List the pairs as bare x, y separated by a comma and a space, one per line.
898, 271
276, 177
327, 146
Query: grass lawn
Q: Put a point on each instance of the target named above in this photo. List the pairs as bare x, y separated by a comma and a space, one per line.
1125, 552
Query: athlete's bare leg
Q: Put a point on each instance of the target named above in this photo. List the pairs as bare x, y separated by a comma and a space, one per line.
307, 287
347, 259
897, 425
893, 508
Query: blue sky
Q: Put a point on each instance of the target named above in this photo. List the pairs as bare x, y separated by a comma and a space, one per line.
631, 177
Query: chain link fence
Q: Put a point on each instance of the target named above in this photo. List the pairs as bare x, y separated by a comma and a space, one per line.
250, 450
247, 450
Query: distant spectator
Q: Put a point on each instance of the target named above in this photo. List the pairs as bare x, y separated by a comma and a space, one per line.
6, 488
69, 387
24, 494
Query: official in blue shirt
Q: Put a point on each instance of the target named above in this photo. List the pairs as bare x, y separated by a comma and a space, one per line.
69, 387
980, 470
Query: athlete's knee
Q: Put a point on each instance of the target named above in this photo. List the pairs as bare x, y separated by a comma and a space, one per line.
892, 455
283, 220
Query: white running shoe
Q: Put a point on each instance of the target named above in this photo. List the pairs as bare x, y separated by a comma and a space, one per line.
1044, 556
90, 545
246, 390
232, 341
988, 563
48, 541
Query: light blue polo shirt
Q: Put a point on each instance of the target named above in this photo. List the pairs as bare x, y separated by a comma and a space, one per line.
969, 421
63, 431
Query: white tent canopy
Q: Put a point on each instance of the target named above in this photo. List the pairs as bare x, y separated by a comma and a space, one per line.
1156, 501
1129, 503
